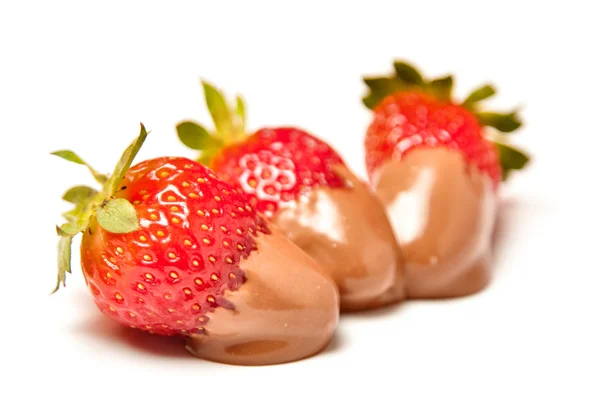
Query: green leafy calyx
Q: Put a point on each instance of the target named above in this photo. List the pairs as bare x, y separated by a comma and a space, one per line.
407, 78
113, 214
118, 216
229, 122
511, 159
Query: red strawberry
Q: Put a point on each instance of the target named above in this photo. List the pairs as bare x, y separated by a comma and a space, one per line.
169, 248
431, 161
276, 166
302, 184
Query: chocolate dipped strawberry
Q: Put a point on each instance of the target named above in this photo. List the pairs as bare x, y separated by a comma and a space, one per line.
171, 249
301, 184
432, 161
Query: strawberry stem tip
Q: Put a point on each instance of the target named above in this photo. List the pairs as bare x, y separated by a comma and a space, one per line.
407, 78
229, 123
116, 215
71, 156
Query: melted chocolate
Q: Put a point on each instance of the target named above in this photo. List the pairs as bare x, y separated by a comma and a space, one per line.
442, 211
287, 309
347, 232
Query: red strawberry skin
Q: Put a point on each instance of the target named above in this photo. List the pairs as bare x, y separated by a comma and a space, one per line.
408, 120
275, 166
169, 274
302, 185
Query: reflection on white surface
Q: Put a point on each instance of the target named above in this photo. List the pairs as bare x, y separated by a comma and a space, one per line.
408, 210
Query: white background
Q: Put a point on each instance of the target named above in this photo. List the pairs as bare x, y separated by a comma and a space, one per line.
82, 75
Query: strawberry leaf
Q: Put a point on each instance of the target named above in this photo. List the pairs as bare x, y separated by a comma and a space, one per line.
441, 88
407, 73
373, 98
71, 156
511, 159
125, 162
71, 216
230, 125
64, 259
118, 216
217, 106
114, 215
64, 230
78, 224
502, 122
478, 95
240, 111
78, 194
380, 88
382, 83
197, 137
78, 217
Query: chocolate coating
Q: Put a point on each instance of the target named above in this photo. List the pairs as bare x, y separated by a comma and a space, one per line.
442, 211
347, 232
287, 309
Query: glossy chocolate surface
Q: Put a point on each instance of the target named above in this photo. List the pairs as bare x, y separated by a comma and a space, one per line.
442, 212
347, 232
287, 309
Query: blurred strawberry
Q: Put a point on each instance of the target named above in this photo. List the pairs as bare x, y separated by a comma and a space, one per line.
302, 184
436, 168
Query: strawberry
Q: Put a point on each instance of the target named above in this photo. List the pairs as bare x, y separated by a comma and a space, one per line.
171, 249
276, 166
302, 184
432, 161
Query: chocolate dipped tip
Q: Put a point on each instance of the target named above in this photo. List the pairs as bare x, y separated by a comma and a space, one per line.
347, 232
287, 310
442, 211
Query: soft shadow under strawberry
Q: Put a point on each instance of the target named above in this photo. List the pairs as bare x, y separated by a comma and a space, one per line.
384, 311
338, 342
510, 218
97, 327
